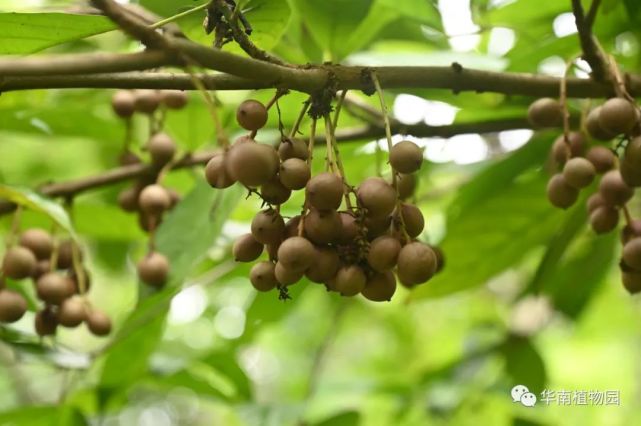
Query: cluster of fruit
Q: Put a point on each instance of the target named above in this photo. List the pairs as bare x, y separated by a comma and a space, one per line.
60, 283
146, 196
350, 251
618, 117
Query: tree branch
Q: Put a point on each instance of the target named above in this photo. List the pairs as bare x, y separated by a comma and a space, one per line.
592, 52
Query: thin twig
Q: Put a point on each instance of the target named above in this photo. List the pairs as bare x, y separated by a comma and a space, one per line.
592, 52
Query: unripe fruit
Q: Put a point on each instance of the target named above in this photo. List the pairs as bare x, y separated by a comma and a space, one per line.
147, 101
252, 164
325, 191
268, 227
122, 102
594, 128
349, 280
406, 185
153, 269
632, 253
46, 322
545, 112
38, 241
377, 196
174, 99
618, 116
273, 192
561, 194
296, 253
19, 263
322, 227
293, 148
294, 173
604, 219
614, 190
406, 157
72, 312
562, 151
162, 149
246, 248
54, 288
413, 220
262, 276
324, 266
65, 254
601, 158
349, 228
251, 115
128, 199
286, 276
98, 323
579, 172
216, 173
383, 253
417, 263
12, 306
154, 199
380, 287
594, 201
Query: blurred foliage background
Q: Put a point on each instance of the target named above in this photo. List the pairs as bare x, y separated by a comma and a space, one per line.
529, 294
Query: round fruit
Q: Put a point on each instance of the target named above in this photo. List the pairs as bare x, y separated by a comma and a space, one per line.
562, 151
440, 258
618, 116
631, 230
154, 199
46, 322
54, 288
293, 148
601, 158
633, 152
42, 267
631, 281
632, 253
377, 226
162, 149
251, 115
406, 185
417, 263
98, 323
294, 173
594, 127
273, 192
65, 254
286, 276
262, 276
561, 194
296, 253
12, 306
72, 312
325, 191
322, 227
174, 196
291, 227
153, 269
545, 112
377, 196
147, 101
122, 102
324, 266
596, 200
630, 174
413, 220
614, 190
383, 253
349, 229
246, 248
604, 219
38, 241
579, 172
174, 99
350, 280
252, 164
406, 157
128, 199
19, 263
380, 287
268, 227
216, 173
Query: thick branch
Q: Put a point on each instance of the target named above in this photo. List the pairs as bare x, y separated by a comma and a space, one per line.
592, 52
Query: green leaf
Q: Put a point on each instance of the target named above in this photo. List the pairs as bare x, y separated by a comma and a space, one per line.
23, 33
226, 364
524, 364
44, 415
348, 418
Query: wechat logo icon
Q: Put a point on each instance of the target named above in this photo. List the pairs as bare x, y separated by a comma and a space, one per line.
523, 395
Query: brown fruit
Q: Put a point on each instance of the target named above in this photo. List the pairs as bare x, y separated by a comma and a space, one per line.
560, 193
322, 227
350, 280
632, 253
216, 173
594, 128
65, 254
596, 200
262, 276
53, 288
380, 287
631, 281
406, 157
122, 102
286, 276
72, 312
293, 148
162, 149
377, 196
630, 174
296, 254
545, 112
325, 191
19, 262
604, 219
274, 192
377, 226
440, 258
291, 227
147, 101
383, 253
251, 115
42, 267
128, 199
294, 173
268, 227
12, 305
413, 219
618, 116
75, 282
324, 266
154, 199
406, 185
349, 229
153, 269
417, 263
579, 172
614, 190
631, 230
601, 158
633, 152
562, 151
174, 99
246, 248
252, 164
38, 241
175, 198
46, 322
98, 323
